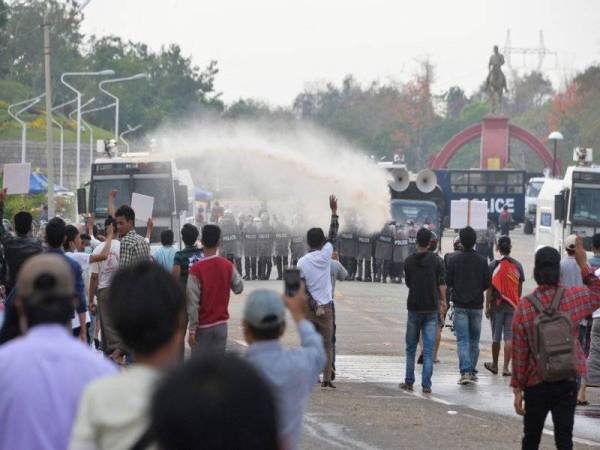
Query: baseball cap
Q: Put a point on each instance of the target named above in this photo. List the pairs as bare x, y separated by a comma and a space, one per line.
43, 276
571, 242
264, 309
547, 257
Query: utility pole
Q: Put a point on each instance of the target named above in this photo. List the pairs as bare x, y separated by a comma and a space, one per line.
49, 136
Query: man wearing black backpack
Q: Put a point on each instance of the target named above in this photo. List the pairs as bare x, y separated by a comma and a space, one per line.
546, 355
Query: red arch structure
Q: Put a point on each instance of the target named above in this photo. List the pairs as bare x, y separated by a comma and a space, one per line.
495, 132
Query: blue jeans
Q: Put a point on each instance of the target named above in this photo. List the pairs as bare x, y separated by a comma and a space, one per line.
417, 323
467, 325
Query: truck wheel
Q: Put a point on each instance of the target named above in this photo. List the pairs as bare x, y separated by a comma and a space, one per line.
528, 227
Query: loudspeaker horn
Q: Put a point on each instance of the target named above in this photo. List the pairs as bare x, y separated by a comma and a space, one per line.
401, 180
426, 181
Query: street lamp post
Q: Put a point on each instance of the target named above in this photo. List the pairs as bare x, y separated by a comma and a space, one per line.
84, 123
137, 76
28, 104
62, 137
129, 130
555, 136
78, 93
87, 111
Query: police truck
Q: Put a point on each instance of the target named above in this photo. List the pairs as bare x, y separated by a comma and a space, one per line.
496, 187
570, 205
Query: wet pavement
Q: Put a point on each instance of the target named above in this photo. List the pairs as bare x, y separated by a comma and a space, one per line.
368, 411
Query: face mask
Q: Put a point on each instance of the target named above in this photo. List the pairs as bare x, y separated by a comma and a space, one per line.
88, 250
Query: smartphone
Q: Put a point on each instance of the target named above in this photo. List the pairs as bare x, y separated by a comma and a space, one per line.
291, 281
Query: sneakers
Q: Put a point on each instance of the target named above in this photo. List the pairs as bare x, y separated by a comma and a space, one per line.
465, 379
426, 390
474, 378
327, 385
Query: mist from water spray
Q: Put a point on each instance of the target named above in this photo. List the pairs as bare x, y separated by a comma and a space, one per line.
293, 168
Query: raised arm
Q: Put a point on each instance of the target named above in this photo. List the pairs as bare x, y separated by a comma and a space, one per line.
103, 256
112, 195
334, 224
149, 228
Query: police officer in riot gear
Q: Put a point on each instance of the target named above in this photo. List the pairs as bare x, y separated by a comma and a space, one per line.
282, 245
348, 250
384, 247
265, 241
400, 253
412, 237
363, 256
230, 233
298, 245
251, 248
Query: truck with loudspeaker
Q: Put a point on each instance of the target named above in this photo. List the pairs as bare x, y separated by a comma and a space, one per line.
415, 198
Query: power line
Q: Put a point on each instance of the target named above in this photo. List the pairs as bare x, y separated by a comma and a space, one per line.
541, 51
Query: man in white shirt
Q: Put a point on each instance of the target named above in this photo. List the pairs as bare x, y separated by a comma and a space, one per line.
100, 280
147, 306
315, 268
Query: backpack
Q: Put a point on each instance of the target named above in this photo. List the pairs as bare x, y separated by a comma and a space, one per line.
555, 350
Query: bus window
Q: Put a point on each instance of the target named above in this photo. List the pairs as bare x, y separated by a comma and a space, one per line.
460, 189
498, 189
514, 189
101, 190
161, 188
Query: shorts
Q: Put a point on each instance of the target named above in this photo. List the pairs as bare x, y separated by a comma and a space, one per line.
502, 325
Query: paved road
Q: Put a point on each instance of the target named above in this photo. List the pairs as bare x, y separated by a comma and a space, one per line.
368, 411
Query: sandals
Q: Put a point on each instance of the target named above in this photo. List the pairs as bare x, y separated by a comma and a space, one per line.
506, 374
489, 366
583, 403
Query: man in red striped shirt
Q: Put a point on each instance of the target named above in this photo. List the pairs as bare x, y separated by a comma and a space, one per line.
534, 398
208, 288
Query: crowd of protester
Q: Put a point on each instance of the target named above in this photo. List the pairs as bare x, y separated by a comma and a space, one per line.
80, 288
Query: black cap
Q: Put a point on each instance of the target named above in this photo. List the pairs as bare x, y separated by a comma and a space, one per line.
547, 257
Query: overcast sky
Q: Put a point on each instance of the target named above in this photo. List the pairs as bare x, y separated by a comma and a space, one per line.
272, 49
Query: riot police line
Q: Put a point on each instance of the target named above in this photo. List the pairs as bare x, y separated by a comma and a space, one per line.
256, 244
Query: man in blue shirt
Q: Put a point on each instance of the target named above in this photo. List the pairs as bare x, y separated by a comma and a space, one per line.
165, 255
56, 233
44, 371
291, 373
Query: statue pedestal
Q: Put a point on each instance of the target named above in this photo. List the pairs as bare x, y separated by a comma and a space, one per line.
495, 136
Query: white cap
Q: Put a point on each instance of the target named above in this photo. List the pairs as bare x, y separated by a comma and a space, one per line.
571, 242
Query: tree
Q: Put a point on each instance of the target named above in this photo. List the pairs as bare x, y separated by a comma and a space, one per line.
529, 92
456, 100
21, 57
175, 88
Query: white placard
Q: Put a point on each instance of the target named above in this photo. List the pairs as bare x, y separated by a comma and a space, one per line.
468, 212
16, 178
142, 205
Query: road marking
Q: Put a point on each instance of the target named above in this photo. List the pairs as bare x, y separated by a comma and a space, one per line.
575, 439
239, 342
396, 321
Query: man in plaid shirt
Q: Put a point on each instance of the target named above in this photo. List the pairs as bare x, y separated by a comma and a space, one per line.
134, 247
534, 398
